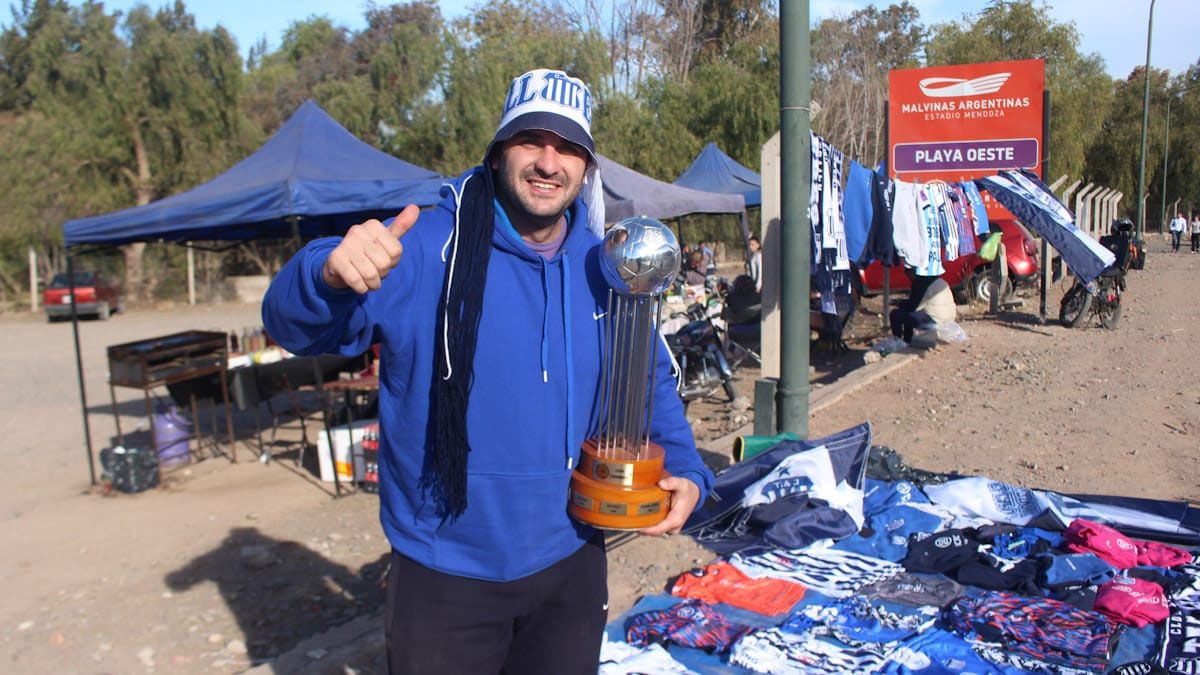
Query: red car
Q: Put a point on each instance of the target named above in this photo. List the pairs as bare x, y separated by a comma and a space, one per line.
969, 274
95, 295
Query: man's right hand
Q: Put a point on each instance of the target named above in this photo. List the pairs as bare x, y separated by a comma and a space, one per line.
368, 252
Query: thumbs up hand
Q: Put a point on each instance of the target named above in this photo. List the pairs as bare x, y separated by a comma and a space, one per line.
368, 252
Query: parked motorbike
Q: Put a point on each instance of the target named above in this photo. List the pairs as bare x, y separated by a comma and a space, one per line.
699, 349
1080, 302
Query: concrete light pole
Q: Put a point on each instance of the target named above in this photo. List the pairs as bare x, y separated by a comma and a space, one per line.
1141, 214
795, 125
1167, 152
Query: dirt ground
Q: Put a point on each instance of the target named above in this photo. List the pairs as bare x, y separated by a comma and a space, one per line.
230, 565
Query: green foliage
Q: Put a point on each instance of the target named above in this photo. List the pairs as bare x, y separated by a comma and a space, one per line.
1080, 92
100, 110
407, 48
733, 101
500, 41
851, 58
113, 115
1113, 160
316, 60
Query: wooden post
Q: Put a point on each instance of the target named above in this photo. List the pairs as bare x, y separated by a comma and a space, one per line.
999, 273
191, 274
33, 280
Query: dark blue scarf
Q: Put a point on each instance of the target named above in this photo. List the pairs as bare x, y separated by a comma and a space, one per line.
460, 309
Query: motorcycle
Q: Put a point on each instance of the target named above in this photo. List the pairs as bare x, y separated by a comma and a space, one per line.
699, 350
1078, 303
1104, 299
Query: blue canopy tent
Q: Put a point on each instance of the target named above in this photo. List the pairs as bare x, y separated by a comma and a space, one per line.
311, 178
629, 193
714, 171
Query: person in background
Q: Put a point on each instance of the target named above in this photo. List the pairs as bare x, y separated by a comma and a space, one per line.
710, 261
490, 329
754, 264
696, 273
1178, 225
1196, 232
930, 301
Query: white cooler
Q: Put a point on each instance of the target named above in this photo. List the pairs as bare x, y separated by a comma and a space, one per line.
343, 437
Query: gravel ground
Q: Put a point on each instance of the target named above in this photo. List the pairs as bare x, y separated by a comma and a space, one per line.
231, 565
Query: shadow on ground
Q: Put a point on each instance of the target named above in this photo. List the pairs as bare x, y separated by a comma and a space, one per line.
281, 592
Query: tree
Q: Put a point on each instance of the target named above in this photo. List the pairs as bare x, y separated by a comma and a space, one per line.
127, 116
851, 59
1080, 90
315, 60
1113, 158
499, 41
1183, 169
406, 49
691, 32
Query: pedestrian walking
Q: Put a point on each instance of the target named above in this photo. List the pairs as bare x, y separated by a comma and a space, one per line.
1178, 225
1196, 232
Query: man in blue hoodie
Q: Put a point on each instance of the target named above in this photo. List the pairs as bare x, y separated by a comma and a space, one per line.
490, 314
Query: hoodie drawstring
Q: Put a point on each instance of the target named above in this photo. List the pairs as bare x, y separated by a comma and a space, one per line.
545, 328
450, 277
566, 312
565, 266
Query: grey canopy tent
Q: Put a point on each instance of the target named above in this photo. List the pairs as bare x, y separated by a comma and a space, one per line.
311, 178
714, 171
628, 193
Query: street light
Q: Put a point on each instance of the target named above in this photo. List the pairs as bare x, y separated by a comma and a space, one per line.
1141, 218
1167, 152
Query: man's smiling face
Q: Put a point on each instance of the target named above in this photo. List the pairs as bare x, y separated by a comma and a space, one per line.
539, 174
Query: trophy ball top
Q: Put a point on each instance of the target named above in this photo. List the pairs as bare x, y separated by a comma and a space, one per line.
641, 256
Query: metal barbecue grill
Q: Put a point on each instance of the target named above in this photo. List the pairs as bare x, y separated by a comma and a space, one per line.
160, 361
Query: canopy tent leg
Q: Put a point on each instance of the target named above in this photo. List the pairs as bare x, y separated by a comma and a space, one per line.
294, 224
87, 431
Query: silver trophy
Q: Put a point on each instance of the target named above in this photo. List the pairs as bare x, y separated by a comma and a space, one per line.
615, 484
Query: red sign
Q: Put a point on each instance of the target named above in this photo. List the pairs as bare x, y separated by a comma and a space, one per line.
957, 122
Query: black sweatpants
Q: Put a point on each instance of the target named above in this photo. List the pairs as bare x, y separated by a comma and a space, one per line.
548, 622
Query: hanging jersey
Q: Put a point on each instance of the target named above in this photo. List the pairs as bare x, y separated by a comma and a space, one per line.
931, 228
907, 229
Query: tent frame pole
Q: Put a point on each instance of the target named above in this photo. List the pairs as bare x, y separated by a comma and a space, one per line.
87, 430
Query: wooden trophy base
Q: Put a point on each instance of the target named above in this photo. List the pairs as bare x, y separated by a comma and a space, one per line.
615, 490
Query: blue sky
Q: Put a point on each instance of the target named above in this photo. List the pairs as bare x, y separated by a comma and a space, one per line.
1116, 29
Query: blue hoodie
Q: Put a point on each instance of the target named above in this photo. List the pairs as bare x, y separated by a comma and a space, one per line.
533, 397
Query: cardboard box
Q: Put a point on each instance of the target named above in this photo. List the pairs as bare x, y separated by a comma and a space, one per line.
345, 439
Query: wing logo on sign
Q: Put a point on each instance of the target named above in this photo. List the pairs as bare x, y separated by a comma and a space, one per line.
946, 87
